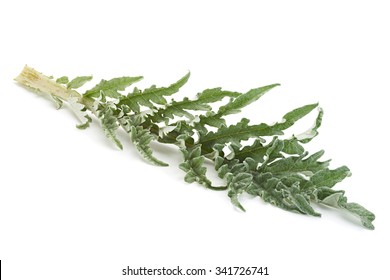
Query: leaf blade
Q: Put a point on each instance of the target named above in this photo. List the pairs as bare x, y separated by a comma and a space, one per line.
141, 138
152, 94
78, 82
244, 100
243, 131
194, 167
112, 87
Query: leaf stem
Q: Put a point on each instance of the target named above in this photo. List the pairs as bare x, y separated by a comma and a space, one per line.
31, 78
35, 80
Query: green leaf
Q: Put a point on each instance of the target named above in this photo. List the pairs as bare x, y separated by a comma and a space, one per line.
243, 131
194, 167
201, 103
63, 80
272, 190
110, 125
257, 151
236, 185
141, 138
308, 135
366, 217
212, 119
273, 152
300, 200
243, 100
337, 199
172, 110
112, 87
86, 124
329, 178
235, 133
151, 95
295, 165
237, 175
212, 95
291, 117
292, 147
79, 81
283, 194
237, 102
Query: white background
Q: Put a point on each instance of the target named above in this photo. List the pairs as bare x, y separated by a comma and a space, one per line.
74, 207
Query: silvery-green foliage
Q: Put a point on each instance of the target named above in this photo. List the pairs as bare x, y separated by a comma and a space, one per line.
273, 167
141, 138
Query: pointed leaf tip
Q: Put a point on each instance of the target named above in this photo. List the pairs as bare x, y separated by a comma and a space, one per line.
244, 100
112, 87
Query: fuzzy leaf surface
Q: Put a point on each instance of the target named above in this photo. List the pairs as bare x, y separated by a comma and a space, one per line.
78, 81
194, 167
244, 131
273, 168
151, 95
110, 125
337, 199
141, 138
201, 103
112, 87
63, 80
243, 100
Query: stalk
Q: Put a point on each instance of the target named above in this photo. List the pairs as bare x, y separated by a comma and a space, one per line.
31, 78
